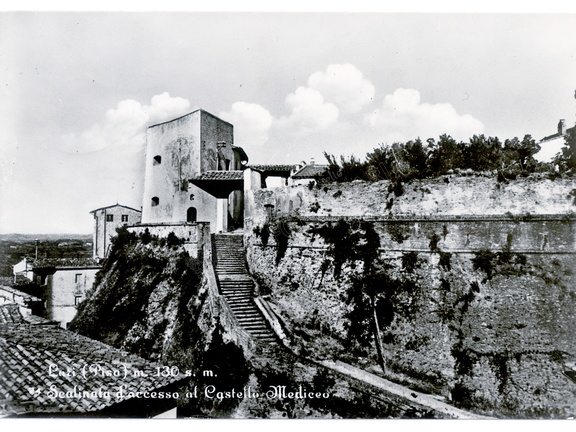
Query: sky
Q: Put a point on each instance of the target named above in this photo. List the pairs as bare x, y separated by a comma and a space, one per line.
78, 90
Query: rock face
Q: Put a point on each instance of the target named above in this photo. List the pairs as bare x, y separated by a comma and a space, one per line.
152, 299
472, 282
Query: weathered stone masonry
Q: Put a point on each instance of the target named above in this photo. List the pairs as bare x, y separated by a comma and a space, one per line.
503, 346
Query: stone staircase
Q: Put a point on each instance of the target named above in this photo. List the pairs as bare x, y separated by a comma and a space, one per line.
237, 287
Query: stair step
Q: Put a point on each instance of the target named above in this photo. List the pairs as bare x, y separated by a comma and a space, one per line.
237, 287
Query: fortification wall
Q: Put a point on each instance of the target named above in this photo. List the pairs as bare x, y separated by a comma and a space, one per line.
443, 196
193, 234
497, 343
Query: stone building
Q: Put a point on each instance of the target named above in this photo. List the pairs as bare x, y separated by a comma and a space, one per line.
106, 220
307, 173
552, 144
193, 173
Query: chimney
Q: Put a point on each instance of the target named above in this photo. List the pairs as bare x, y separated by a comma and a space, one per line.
562, 127
312, 161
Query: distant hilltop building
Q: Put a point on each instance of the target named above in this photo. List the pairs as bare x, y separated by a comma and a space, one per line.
552, 144
106, 220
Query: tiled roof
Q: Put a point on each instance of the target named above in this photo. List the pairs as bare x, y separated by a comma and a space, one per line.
10, 313
310, 171
16, 292
31, 356
115, 205
64, 262
221, 175
287, 168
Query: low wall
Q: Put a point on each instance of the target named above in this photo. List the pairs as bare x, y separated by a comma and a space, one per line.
193, 234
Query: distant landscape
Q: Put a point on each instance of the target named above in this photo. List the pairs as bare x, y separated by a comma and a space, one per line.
14, 247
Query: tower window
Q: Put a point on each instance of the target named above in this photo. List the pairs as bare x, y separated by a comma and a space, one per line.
191, 197
155, 201
157, 160
109, 218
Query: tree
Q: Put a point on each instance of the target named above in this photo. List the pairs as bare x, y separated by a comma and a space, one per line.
521, 152
483, 153
444, 156
416, 156
569, 151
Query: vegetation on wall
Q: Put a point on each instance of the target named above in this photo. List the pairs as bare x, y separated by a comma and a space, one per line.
137, 266
402, 162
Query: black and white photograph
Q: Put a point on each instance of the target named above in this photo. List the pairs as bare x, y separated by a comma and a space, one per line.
287, 215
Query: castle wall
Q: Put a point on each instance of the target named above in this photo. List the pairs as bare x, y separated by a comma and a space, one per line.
501, 347
193, 234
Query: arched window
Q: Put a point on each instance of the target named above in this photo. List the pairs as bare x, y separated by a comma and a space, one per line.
191, 214
157, 160
155, 201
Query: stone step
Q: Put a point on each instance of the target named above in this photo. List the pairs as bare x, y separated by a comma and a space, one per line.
233, 291
237, 300
238, 288
241, 303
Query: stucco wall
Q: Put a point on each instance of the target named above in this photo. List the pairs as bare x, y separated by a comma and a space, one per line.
186, 146
64, 289
105, 230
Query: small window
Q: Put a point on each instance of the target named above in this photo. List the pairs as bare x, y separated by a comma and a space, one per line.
77, 300
191, 197
109, 218
155, 201
78, 277
157, 160
124, 218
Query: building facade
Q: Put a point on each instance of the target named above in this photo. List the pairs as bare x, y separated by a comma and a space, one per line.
106, 220
190, 148
63, 287
552, 144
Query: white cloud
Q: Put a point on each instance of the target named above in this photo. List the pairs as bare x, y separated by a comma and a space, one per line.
251, 123
125, 124
309, 111
404, 117
343, 85
315, 119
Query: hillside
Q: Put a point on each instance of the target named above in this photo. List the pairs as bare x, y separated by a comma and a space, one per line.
153, 300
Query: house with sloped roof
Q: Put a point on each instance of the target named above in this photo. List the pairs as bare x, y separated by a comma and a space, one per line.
106, 220
308, 173
46, 371
551, 145
63, 284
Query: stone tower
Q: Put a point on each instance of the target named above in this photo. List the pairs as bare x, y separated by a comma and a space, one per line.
177, 151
